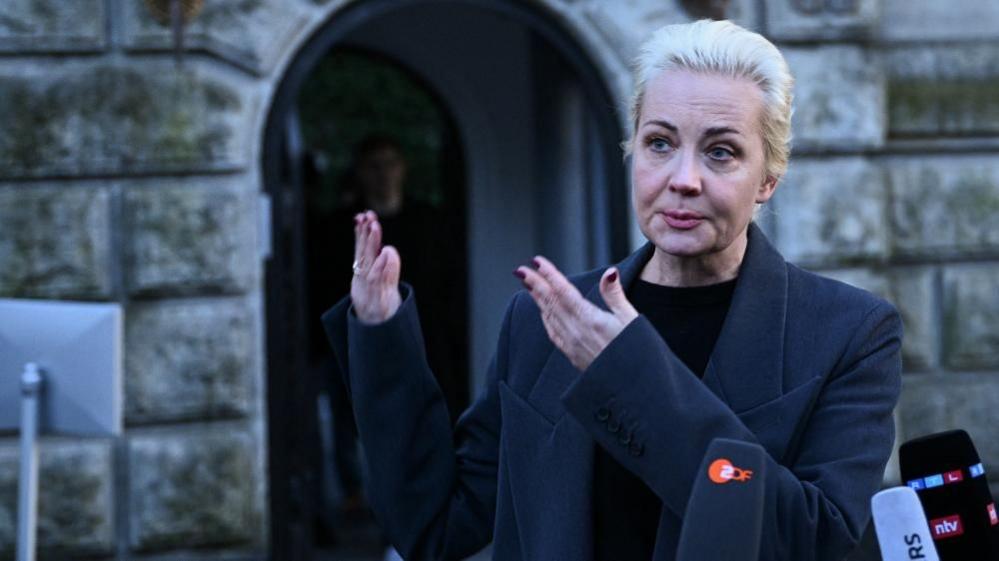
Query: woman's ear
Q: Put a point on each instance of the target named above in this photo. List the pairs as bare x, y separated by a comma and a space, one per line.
766, 189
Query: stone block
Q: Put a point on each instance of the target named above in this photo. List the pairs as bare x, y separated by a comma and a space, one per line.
55, 241
97, 118
943, 90
188, 237
75, 505
810, 20
839, 98
867, 279
930, 20
938, 402
913, 292
944, 205
832, 212
252, 34
188, 360
971, 317
191, 490
52, 25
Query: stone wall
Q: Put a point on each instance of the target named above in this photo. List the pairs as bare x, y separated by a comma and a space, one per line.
894, 187
127, 178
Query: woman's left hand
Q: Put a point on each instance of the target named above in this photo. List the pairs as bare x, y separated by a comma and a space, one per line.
579, 328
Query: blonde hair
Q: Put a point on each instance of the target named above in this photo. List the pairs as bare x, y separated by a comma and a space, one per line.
722, 47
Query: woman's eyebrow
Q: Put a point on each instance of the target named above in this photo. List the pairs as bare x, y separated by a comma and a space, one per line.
665, 124
713, 131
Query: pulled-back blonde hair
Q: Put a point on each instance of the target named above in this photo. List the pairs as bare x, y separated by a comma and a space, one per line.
722, 47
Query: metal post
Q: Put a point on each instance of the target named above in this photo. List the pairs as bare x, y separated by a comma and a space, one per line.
27, 506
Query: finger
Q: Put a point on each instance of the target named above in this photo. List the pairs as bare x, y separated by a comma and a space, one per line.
377, 269
566, 296
358, 230
373, 242
553, 315
538, 286
540, 292
613, 293
364, 256
393, 265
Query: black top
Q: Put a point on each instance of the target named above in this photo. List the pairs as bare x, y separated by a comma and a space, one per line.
625, 511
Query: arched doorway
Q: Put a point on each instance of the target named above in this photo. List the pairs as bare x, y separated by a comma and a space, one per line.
538, 134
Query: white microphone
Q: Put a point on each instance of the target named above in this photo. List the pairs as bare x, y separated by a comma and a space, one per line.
903, 532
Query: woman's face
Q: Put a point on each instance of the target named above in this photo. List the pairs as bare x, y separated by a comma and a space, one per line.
698, 161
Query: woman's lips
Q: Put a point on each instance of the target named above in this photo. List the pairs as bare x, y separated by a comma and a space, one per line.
682, 219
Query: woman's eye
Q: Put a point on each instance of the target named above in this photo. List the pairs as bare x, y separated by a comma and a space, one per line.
659, 144
720, 153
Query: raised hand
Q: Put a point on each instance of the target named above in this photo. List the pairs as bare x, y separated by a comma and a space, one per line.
575, 325
374, 290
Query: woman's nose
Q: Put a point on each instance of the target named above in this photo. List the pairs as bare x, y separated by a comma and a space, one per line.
686, 177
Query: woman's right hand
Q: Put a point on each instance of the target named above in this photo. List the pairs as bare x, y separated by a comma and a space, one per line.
374, 290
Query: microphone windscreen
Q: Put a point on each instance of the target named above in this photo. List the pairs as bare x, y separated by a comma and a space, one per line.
903, 534
724, 514
947, 474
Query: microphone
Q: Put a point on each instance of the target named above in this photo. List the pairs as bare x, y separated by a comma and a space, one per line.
948, 476
724, 516
903, 534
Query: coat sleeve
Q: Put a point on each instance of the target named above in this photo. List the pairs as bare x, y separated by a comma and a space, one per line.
433, 489
817, 506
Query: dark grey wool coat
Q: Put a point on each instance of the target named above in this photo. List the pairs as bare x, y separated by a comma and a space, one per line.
807, 367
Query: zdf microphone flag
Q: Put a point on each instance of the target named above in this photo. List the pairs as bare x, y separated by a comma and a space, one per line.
724, 515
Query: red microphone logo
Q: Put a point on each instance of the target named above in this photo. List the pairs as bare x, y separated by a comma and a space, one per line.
722, 471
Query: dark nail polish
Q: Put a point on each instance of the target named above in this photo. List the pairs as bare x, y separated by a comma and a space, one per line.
527, 286
519, 274
612, 277
536, 262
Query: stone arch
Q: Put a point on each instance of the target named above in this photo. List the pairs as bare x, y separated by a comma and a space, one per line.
609, 59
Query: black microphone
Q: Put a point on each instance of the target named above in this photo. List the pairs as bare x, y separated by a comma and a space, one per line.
903, 534
946, 472
724, 516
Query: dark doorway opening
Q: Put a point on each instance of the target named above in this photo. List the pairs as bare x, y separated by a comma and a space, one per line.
374, 136
528, 162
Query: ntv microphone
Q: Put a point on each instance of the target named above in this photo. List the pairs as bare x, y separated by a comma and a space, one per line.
947, 474
724, 515
903, 534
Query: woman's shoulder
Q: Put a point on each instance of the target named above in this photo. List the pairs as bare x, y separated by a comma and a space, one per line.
831, 299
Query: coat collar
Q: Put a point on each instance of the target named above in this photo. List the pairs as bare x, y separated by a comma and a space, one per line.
745, 368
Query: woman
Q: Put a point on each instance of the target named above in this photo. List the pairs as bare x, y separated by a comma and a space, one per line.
606, 389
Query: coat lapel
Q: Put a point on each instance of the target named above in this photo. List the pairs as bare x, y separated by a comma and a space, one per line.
566, 466
746, 366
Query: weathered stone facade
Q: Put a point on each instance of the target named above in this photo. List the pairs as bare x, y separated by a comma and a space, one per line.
893, 187
127, 178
